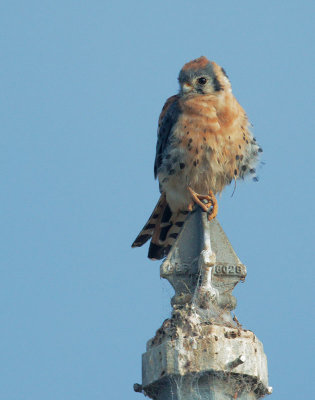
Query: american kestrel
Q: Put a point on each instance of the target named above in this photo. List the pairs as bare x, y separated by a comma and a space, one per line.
204, 142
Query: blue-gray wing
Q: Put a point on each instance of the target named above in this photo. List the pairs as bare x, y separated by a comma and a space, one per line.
168, 118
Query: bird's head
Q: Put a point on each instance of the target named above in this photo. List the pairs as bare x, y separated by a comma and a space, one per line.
202, 76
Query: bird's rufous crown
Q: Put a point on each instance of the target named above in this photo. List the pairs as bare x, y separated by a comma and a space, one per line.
198, 63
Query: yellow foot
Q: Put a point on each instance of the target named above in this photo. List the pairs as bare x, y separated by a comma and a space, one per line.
214, 211
208, 203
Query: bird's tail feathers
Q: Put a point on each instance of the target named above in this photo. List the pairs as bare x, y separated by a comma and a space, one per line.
148, 229
163, 227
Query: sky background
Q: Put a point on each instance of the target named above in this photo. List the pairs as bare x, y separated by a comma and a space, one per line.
82, 85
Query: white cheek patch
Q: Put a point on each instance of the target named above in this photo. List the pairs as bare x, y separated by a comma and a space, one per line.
228, 84
226, 81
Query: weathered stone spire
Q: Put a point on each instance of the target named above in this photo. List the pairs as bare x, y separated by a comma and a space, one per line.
201, 352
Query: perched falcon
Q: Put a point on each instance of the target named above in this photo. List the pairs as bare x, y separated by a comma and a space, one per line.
204, 143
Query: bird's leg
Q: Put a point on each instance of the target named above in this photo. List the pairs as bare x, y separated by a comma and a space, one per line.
208, 203
214, 211
204, 201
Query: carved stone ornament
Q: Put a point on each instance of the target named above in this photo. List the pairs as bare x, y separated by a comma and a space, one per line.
201, 352
203, 269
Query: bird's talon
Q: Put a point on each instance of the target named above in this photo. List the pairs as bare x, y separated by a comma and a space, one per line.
205, 202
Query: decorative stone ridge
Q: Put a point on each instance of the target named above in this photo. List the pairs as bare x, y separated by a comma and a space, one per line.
203, 269
208, 349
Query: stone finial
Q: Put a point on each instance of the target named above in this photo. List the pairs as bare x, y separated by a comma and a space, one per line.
203, 269
201, 352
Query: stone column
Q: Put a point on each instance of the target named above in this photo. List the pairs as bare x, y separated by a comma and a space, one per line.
201, 352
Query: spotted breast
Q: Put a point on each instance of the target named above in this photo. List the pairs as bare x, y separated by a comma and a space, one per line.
204, 142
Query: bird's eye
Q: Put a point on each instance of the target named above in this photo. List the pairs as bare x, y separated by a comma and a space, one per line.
202, 81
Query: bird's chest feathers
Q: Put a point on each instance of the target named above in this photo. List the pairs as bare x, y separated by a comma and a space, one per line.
206, 144
198, 133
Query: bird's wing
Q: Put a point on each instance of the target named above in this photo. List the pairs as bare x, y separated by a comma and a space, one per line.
167, 120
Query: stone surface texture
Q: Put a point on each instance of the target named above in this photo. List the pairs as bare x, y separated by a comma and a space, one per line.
201, 352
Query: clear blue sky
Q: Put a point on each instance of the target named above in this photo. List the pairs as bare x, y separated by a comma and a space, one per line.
82, 85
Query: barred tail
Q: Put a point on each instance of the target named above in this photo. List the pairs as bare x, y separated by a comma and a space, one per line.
163, 227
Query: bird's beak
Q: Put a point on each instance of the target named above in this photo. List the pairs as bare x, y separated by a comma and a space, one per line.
187, 87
